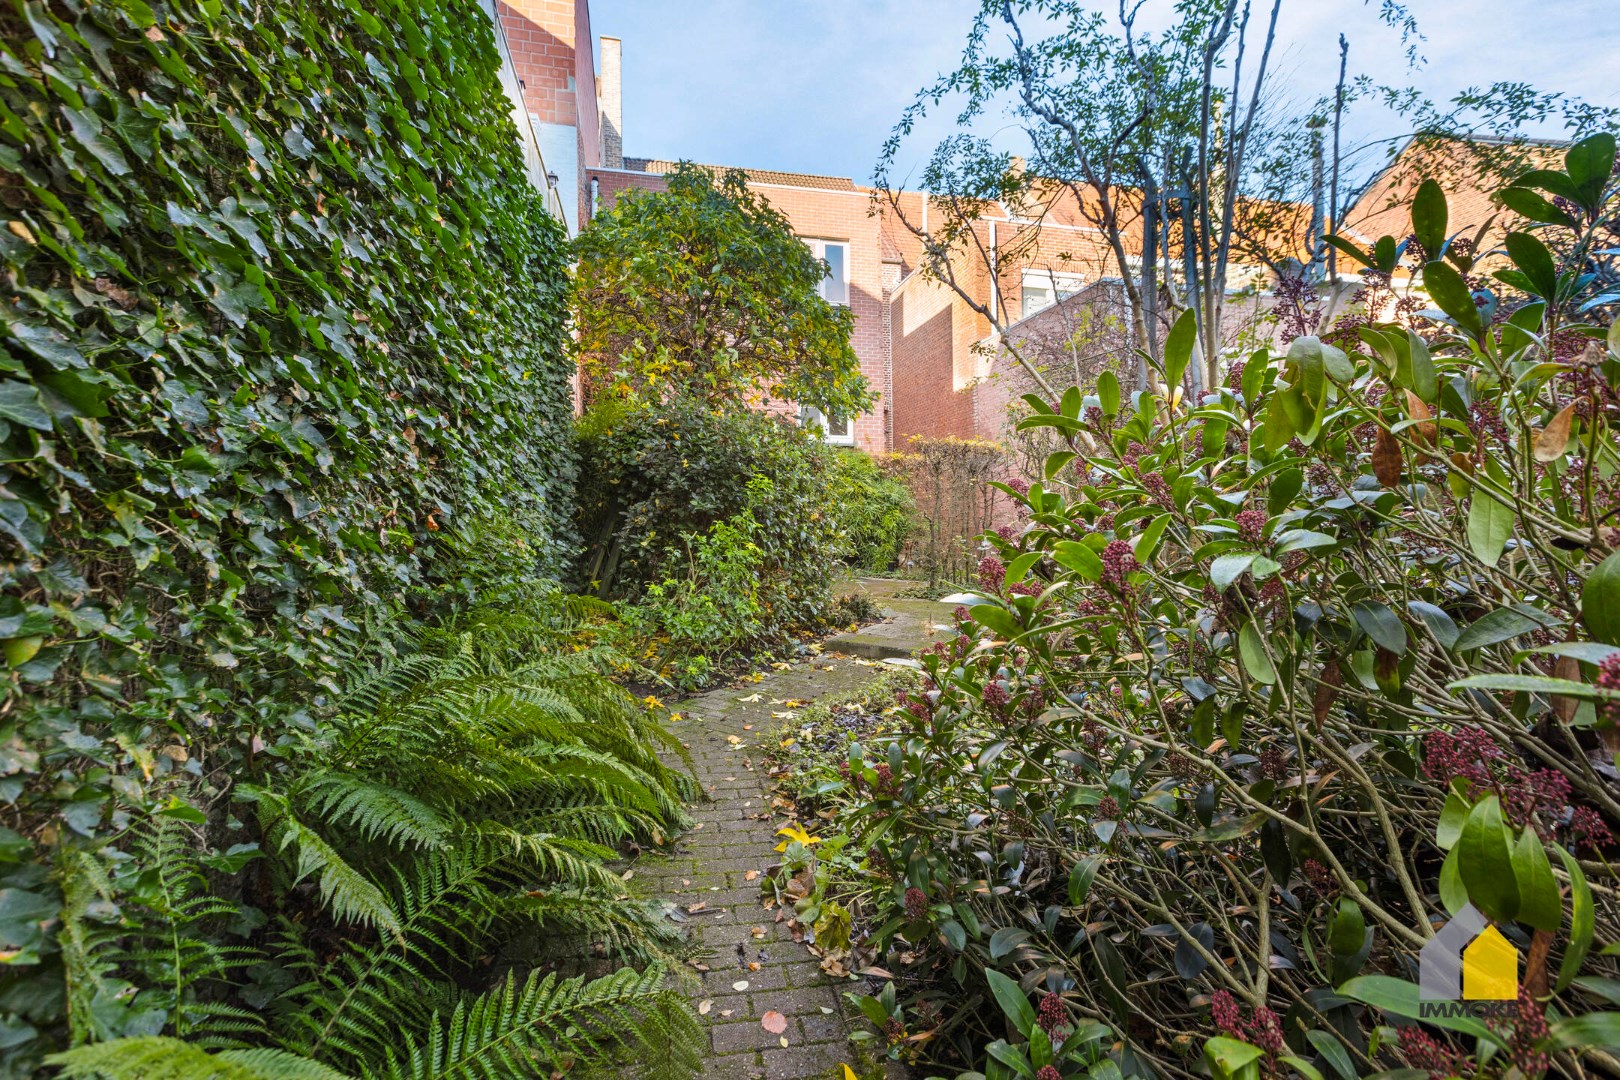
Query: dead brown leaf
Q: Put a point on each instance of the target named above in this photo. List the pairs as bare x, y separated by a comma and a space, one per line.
1552, 439
1386, 458
773, 1022
1425, 431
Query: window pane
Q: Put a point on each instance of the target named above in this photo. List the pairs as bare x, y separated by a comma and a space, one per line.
837, 428
836, 287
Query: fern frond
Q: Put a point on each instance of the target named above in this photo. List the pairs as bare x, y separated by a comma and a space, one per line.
87, 951
529, 1029
349, 894
631, 928
376, 811
156, 1057
577, 863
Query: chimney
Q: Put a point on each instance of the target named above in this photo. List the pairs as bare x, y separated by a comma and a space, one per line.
609, 96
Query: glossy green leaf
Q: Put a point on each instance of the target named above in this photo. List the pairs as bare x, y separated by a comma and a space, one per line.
1399, 998
1381, 624
1108, 393
1600, 600
1490, 526
1485, 861
1582, 921
1255, 660
1448, 290
1429, 217
1540, 904
1013, 1003
1081, 877
1079, 558
1535, 262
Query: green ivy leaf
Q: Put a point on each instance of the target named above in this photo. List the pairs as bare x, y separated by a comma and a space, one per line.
20, 403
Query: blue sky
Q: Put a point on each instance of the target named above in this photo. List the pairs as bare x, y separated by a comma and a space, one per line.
816, 85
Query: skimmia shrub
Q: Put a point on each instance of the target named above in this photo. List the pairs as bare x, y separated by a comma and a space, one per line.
1270, 686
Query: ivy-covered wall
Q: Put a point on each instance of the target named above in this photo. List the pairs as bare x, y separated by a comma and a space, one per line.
281, 319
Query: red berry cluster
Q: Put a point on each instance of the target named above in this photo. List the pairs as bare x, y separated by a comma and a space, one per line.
1053, 1017
1262, 1028
1251, 524
1158, 489
1608, 678
1431, 1055
1119, 563
916, 903
1529, 1023
1528, 796
1323, 883
992, 572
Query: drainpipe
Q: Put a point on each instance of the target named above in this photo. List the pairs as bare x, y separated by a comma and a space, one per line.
595, 195
995, 280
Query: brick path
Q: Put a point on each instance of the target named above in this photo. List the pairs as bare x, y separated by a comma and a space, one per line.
755, 966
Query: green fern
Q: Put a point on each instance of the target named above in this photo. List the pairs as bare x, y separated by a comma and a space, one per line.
174, 944
469, 789
349, 894
156, 1057
528, 1030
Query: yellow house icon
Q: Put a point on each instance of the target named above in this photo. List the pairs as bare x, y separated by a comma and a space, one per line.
1490, 968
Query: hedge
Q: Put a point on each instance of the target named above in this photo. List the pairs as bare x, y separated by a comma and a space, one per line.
282, 317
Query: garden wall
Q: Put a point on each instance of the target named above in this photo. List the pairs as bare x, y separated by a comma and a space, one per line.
283, 323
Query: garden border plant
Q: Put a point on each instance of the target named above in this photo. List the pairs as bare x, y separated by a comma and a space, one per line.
1270, 684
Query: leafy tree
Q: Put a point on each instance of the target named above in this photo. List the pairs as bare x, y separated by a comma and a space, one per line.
703, 290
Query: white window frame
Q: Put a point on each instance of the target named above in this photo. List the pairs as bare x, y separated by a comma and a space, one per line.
818, 247
809, 414
1062, 284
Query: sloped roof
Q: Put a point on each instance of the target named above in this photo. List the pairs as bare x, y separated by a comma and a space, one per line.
1469, 170
658, 167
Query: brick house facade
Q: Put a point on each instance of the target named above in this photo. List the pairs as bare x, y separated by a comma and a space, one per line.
932, 356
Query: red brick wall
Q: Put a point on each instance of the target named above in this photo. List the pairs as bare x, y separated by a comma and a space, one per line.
823, 215
541, 34
925, 317
588, 113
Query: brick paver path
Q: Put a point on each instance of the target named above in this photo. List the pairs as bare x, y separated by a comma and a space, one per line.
755, 966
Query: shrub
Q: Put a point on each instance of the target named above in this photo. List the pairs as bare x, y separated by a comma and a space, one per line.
1268, 688
704, 291
873, 509
715, 519
949, 479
